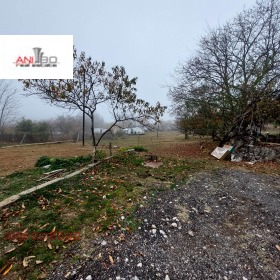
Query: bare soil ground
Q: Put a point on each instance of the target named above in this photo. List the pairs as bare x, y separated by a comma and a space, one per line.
24, 157
222, 224
19, 158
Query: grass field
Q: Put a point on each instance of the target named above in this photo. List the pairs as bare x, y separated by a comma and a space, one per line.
38, 229
24, 157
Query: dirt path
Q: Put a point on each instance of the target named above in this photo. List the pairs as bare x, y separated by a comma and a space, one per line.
221, 225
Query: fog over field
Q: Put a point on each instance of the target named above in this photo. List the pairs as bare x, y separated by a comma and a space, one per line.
148, 38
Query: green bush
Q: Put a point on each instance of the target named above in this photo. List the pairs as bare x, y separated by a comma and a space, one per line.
100, 154
57, 163
42, 161
135, 148
139, 149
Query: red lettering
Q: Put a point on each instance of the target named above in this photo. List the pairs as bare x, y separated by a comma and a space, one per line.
25, 60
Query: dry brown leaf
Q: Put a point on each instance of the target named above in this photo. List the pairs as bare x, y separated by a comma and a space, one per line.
7, 270
26, 260
43, 226
111, 259
45, 238
67, 274
9, 251
69, 239
23, 206
50, 246
38, 261
42, 275
277, 247
25, 231
53, 230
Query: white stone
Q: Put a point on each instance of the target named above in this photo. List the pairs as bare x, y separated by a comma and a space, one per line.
154, 226
190, 232
104, 243
154, 231
174, 225
167, 277
89, 277
139, 265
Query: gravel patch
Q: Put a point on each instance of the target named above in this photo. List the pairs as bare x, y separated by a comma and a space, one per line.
223, 224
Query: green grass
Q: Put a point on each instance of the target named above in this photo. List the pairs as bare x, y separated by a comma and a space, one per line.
150, 140
20, 181
87, 204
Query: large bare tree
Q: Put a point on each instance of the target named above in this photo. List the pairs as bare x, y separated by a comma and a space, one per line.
94, 87
235, 70
8, 105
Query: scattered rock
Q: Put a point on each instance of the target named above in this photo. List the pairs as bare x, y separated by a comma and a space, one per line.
139, 265
104, 243
190, 232
174, 225
163, 233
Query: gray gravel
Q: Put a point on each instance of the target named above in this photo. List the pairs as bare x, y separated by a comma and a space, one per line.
220, 225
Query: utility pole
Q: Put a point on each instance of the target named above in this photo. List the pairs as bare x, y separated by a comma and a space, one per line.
84, 92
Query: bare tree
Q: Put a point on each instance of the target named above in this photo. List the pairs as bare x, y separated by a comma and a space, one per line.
8, 105
235, 69
94, 86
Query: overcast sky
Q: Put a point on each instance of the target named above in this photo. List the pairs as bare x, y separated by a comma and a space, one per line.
147, 37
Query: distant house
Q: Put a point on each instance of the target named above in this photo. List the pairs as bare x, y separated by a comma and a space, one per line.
134, 130
99, 130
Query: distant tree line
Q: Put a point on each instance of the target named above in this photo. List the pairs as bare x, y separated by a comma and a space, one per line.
59, 129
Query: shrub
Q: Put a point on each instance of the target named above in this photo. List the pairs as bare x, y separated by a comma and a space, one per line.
139, 149
134, 148
42, 161
100, 154
57, 163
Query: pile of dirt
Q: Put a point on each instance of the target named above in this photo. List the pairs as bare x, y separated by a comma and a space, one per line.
223, 224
